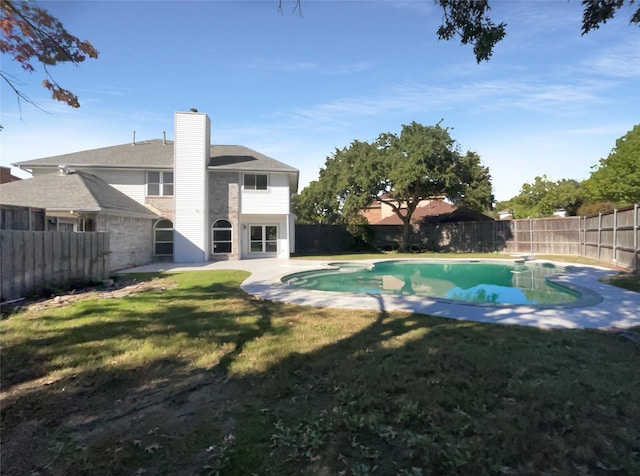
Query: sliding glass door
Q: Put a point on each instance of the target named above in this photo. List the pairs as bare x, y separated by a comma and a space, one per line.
263, 239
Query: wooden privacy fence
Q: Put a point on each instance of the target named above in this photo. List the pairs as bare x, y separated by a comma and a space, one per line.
450, 237
611, 237
22, 218
31, 261
548, 236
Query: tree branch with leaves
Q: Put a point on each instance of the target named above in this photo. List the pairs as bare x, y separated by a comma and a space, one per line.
31, 35
470, 20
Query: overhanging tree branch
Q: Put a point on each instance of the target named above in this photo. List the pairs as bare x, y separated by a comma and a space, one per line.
31, 34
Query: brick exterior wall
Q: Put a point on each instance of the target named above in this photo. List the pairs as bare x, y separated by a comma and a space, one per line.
373, 214
224, 204
164, 206
131, 240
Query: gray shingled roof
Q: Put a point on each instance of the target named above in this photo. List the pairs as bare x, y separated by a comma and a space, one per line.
75, 191
241, 158
159, 154
150, 154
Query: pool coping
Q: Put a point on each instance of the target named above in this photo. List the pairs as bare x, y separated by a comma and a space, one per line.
618, 308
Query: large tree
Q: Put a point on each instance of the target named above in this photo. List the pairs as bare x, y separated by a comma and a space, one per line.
31, 35
402, 170
543, 197
315, 204
617, 178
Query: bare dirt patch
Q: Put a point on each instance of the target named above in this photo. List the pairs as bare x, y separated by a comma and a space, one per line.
123, 424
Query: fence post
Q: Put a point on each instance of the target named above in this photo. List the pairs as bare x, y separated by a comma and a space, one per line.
635, 237
583, 220
494, 224
599, 232
615, 236
531, 235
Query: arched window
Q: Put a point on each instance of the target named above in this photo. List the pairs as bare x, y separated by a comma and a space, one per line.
222, 237
163, 238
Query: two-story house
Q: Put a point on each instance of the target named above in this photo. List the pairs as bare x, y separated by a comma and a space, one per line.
215, 202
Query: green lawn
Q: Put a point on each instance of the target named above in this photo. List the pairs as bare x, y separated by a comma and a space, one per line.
203, 379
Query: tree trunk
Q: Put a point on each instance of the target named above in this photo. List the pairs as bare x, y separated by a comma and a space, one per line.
406, 231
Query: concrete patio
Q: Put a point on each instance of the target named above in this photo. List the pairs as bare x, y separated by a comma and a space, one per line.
617, 307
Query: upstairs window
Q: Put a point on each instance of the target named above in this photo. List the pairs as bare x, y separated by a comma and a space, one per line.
160, 184
256, 181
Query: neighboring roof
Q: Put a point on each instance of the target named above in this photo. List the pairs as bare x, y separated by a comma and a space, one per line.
158, 153
458, 215
74, 191
6, 175
432, 209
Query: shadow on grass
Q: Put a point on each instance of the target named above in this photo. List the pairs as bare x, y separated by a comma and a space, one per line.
204, 379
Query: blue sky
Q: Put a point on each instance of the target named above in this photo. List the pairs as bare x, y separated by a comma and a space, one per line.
550, 101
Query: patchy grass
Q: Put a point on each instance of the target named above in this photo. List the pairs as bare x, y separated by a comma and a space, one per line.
627, 281
203, 379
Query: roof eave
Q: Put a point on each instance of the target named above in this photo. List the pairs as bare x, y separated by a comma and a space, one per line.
21, 165
72, 209
250, 169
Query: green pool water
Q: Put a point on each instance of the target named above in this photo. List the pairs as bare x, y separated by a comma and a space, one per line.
472, 282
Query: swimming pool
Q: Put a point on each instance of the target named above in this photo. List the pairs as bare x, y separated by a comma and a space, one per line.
510, 283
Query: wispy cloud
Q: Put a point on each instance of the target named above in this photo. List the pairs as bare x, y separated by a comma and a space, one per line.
415, 6
604, 130
350, 68
533, 96
278, 66
622, 61
106, 91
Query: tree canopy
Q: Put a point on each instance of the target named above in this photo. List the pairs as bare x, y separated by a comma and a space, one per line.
31, 35
614, 182
316, 204
399, 170
617, 178
543, 197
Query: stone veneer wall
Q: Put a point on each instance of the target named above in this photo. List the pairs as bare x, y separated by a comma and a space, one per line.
164, 205
131, 240
224, 203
